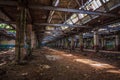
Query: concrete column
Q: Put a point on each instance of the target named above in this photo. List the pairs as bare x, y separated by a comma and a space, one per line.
56, 44
72, 43
117, 42
81, 41
91, 43
102, 43
61, 43
28, 32
84, 43
66, 43
20, 35
33, 40
96, 41
75, 43
53, 45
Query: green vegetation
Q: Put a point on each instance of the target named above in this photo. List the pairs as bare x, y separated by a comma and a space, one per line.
7, 27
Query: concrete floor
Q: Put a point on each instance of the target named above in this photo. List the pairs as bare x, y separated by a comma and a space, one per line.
52, 64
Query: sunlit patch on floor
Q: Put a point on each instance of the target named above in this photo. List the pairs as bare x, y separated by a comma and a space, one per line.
114, 71
68, 55
94, 63
2, 63
102, 65
62, 53
53, 57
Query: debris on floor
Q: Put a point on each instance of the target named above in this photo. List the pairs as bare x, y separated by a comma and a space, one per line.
53, 57
51, 64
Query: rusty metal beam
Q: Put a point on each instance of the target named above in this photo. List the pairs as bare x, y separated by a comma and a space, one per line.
46, 30
55, 3
7, 22
105, 6
59, 25
37, 7
61, 17
8, 3
14, 3
6, 14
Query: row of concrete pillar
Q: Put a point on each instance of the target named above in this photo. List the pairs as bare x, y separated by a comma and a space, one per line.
65, 43
25, 37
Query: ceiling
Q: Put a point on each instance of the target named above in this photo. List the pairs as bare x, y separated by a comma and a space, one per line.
47, 11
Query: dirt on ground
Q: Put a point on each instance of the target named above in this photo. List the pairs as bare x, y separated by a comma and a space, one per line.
52, 64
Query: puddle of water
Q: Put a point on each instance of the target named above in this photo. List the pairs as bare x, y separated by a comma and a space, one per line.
53, 57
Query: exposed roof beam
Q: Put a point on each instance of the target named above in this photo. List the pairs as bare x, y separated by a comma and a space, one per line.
6, 14
57, 25
105, 6
78, 2
52, 12
48, 24
60, 16
46, 30
8, 3
7, 22
56, 18
14, 3
72, 10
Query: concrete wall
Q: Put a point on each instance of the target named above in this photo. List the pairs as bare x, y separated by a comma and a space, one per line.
7, 44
